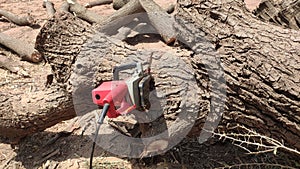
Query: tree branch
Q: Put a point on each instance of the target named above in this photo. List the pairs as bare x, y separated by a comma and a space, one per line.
21, 21
162, 22
97, 3
81, 12
24, 50
49, 7
64, 7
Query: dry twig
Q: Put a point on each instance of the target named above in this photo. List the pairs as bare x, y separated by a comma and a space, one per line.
263, 143
255, 165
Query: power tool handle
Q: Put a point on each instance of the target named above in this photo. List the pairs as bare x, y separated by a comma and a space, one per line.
118, 69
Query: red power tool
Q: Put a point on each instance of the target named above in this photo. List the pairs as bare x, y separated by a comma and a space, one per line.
123, 96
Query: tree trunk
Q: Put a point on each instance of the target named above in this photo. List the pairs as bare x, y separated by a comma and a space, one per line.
260, 61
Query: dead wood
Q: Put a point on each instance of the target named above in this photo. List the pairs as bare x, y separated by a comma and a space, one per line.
97, 3
83, 13
24, 50
284, 13
49, 7
21, 21
64, 7
13, 66
132, 7
170, 9
162, 22
117, 4
262, 93
259, 62
8, 64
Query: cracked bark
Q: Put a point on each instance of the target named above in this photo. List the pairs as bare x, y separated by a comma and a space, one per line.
261, 64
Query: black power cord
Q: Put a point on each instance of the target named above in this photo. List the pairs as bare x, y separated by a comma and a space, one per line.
100, 121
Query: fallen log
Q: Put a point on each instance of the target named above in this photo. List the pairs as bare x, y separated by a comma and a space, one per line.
97, 3
259, 62
21, 21
24, 50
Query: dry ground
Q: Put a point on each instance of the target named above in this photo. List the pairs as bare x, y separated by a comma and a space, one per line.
72, 151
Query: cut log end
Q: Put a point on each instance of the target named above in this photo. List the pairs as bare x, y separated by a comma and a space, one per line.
35, 57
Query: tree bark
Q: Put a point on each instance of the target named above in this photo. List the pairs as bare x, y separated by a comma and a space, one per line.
261, 64
260, 61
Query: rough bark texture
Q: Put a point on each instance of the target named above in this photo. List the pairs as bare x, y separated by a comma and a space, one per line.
260, 61
261, 64
171, 112
28, 112
60, 41
285, 13
43, 106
